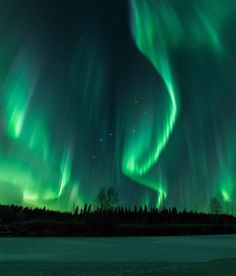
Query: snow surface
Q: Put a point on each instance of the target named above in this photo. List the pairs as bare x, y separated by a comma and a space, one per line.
195, 255
130, 249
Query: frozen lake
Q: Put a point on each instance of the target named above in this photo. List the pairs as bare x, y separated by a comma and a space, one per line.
119, 256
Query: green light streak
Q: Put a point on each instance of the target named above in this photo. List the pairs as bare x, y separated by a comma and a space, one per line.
18, 90
227, 186
152, 43
161, 196
65, 169
30, 165
159, 30
226, 196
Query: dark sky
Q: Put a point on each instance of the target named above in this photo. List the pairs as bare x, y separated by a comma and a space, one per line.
138, 96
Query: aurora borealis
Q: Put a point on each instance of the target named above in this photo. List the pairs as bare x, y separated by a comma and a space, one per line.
137, 95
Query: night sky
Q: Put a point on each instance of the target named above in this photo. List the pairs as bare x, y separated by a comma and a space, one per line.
139, 96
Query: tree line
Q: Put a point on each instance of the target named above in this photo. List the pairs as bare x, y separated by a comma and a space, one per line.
106, 209
10, 214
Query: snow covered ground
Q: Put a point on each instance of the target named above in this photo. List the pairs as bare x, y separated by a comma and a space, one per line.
195, 255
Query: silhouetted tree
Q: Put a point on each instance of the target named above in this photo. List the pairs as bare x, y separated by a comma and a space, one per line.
106, 199
89, 208
112, 198
215, 206
76, 210
85, 208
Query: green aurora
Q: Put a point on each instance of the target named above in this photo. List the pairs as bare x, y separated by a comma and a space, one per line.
137, 95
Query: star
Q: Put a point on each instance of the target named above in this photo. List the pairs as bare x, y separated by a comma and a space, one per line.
110, 134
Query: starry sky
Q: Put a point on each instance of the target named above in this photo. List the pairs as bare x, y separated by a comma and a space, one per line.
134, 95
